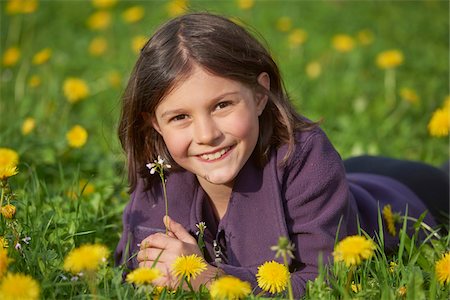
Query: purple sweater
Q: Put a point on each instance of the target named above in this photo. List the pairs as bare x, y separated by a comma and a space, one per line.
304, 200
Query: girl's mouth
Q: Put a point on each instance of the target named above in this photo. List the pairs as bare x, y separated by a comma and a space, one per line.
215, 155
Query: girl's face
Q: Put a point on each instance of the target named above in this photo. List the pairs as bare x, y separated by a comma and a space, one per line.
210, 125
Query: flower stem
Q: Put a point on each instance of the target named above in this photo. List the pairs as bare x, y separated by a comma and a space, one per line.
425, 226
165, 197
291, 294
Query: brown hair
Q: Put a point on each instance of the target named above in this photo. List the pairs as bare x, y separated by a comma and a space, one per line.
222, 48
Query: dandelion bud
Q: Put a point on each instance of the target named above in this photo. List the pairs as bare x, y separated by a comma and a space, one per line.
8, 211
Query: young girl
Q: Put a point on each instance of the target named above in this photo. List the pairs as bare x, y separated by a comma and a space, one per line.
208, 98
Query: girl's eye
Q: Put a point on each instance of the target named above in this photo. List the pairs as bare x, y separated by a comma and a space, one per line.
178, 118
222, 105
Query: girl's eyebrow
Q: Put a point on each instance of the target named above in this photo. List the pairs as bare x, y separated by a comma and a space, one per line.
180, 111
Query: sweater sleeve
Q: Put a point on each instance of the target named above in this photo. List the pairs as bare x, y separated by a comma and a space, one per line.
316, 197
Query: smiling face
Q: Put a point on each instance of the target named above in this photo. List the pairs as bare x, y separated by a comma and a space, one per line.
210, 125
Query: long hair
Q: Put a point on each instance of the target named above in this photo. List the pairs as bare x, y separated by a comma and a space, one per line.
222, 48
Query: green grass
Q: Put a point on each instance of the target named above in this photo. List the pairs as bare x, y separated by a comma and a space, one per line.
349, 96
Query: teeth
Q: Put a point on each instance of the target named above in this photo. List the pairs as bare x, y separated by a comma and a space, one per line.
216, 155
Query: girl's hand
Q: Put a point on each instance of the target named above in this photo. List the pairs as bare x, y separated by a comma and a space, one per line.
176, 243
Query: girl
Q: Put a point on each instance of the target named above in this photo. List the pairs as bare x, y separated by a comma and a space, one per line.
207, 97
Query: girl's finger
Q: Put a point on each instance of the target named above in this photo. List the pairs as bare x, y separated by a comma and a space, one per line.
156, 240
151, 254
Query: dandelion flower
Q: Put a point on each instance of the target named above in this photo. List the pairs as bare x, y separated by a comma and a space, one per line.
7, 171
365, 37
272, 277
86, 187
19, 286
102, 4
34, 81
3, 242
343, 43
392, 266
141, 276
389, 59
189, 266
8, 211
284, 24
75, 89
176, 7
409, 95
133, 14
313, 69
229, 288
353, 250
99, 20
245, 4
439, 124
402, 291
8, 157
87, 257
297, 37
442, 268
137, 43
114, 79
98, 46
42, 56
355, 287
28, 126
11, 56
21, 6
77, 136
4, 261
389, 218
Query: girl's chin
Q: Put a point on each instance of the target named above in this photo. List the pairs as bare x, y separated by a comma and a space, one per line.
218, 179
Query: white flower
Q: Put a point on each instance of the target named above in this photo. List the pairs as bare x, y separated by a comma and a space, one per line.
26, 240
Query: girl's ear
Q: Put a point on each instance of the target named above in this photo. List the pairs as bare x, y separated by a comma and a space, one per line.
262, 98
151, 120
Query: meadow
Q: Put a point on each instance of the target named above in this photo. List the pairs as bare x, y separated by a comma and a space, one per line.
375, 72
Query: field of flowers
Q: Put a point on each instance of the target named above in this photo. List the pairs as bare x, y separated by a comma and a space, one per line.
375, 72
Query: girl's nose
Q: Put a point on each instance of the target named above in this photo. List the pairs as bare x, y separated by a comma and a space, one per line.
206, 130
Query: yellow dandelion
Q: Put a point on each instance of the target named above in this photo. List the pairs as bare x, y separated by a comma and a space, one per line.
34, 81
98, 46
313, 69
4, 260
21, 6
87, 257
99, 20
133, 14
28, 125
355, 287
77, 136
442, 268
353, 250
8, 157
19, 286
389, 59
11, 56
3, 243
42, 56
102, 4
409, 95
365, 37
137, 43
114, 79
75, 89
284, 24
297, 37
392, 266
343, 43
8, 211
141, 276
7, 171
272, 277
86, 187
389, 218
189, 266
177, 7
439, 124
402, 291
229, 288
245, 4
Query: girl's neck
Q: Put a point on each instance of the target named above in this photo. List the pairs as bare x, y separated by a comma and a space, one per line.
219, 195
